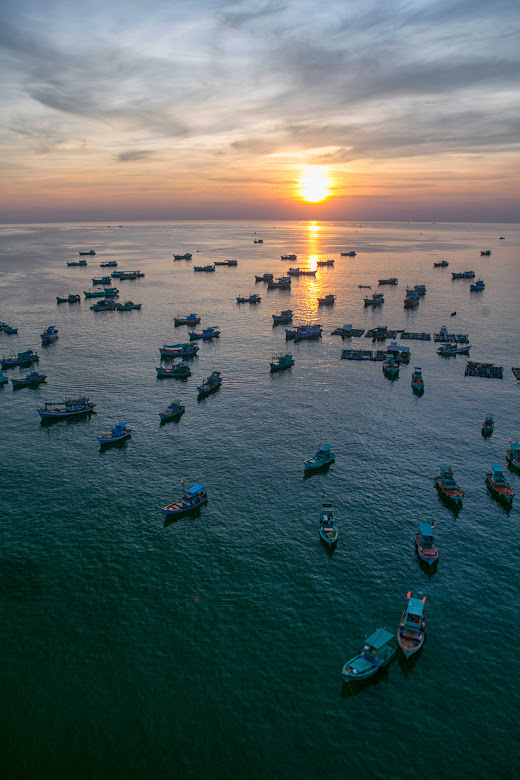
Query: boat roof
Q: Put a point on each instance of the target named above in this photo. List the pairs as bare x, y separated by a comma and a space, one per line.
325, 447
496, 468
415, 606
426, 529
195, 489
446, 468
379, 638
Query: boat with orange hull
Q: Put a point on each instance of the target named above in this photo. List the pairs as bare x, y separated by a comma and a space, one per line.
411, 632
425, 543
448, 488
498, 485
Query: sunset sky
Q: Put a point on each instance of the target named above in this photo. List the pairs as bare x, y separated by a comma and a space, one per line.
169, 109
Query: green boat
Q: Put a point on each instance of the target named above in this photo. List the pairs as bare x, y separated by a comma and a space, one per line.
280, 362
172, 412
378, 651
323, 457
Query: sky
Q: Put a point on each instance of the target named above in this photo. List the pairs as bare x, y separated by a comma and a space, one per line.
216, 109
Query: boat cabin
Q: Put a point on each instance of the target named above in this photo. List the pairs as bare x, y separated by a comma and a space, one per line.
194, 491
447, 478
375, 642
414, 613
497, 475
427, 537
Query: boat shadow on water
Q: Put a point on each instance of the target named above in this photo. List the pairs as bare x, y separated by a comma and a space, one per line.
112, 445
425, 566
407, 665
455, 508
49, 422
354, 687
191, 515
321, 470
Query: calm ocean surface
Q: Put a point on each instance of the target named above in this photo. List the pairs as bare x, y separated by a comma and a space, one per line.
213, 647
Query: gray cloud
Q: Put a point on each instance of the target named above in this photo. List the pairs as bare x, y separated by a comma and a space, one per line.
135, 155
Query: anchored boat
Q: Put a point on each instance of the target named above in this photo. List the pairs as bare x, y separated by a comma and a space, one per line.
252, 299
425, 544
179, 370
328, 300
323, 457
19, 359
72, 298
118, 433
173, 411
392, 281
49, 334
417, 381
478, 286
88, 252
280, 362
284, 316
78, 262
186, 256
210, 384
3, 378
192, 498
488, 426
390, 368
377, 652
513, 456
33, 379
448, 488
208, 334
328, 528
191, 319
411, 632
498, 485
442, 264
179, 350
70, 408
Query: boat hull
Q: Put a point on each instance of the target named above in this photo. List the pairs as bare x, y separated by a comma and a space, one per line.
451, 498
49, 415
512, 463
167, 512
313, 466
106, 441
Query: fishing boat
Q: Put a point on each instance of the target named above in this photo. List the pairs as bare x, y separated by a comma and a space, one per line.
186, 256
417, 381
33, 379
365, 286
487, 252
264, 278
77, 262
284, 316
328, 300
348, 254
210, 384
478, 286
392, 281
306, 333
420, 289
87, 252
328, 528
207, 334
390, 368
377, 299
513, 456
325, 262
251, 299
107, 292
70, 408
451, 350
179, 350
281, 362
190, 319
102, 280
498, 485
128, 306
192, 499
377, 652
231, 262
9, 330
447, 487
288, 257
283, 283
487, 426
258, 241
441, 264
49, 334
463, 275
204, 268
3, 378
107, 304
109, 264
301, 272
118, 433
173, 411
425, 544
179, 370
323, 457
19, 359
72, 298
412, 299
411, 632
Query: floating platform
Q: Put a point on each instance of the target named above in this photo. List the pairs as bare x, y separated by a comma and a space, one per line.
486, 370
382, 333
347, 333
417, 336
456, 338
363, 354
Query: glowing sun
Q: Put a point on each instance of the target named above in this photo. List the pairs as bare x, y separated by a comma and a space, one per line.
314, 184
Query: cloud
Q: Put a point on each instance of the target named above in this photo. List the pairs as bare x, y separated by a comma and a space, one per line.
135, 155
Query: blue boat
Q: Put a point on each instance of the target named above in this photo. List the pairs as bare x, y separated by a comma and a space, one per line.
417, 381
210, 384
33, 379
118, 433
251, 299
173, 411
478, 286
78, 262
328, 528
20, 359
378, 651
284, 316
186, 256
207, 334
191, 319
193, 498
448, 488
107, 292
179, 350
390, 368
411, 632
425, 543
102, 280
513, 456
70, 408
71, 298
49, 334
107, 304
281, 362
9, 330
323, 457
88, 252
179, 371
204, 268
498, 485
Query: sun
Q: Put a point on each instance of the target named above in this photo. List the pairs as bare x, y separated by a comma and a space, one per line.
314, 184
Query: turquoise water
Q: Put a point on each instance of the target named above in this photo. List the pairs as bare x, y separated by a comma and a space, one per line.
213, 646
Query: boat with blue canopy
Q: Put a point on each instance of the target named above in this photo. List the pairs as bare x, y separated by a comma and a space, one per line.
190, 319
193, 498
118, 433
9, 330
19, 359
377, 652
412, 626
323, 457
417, 381
390, 368
210, 384
478, 286
179, 350
284, 316
179, 370
102, 280
173, 411
33, 379
447, 487
425, 544
208, 334
499, 486
513, 456
49, 334
70, 408
328, 528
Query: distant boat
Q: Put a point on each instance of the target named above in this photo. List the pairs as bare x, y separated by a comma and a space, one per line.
204, 268
108, 264
71, 298
258, 241
102, 280
487, 426
328, 528
323, 457
289, 257
448, 488
377, 652
252, 299
118, 433
49, 334
193, 498
412, 627
463, 275
173, 411
392, 281
391, 368
208, 334
77, 262
33, 379
450, 349
478, 286
186, 256
190, 319
284, 283
264, 278
88, 252
19, 359
128, 306
107, 292
486, 252
513, 456
425, 544
210, 384
179, 350
9, 330
107, 304
301, 272
377, 299
325, 262
417, 381
179, 371
365, 286
498, 485
328, 300
348, 254
304, 333
70, 408
284, 316
281, 362
442, 264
